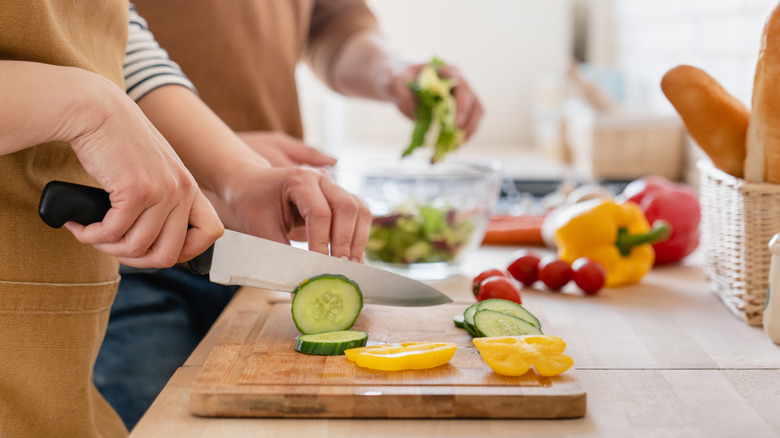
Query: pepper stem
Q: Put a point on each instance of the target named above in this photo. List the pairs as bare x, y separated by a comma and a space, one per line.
626, 242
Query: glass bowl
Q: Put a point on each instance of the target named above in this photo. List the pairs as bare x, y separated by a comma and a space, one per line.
427, 218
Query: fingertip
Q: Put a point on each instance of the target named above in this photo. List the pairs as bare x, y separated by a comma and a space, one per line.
73, 227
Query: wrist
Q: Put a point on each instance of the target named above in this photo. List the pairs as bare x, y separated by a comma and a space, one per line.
97, 101
237, 176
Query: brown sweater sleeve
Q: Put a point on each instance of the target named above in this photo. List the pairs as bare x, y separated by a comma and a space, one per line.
333, 22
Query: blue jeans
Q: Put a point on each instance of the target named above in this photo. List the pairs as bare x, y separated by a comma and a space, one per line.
157, 319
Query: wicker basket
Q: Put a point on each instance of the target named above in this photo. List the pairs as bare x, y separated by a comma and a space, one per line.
738, 221
627, 146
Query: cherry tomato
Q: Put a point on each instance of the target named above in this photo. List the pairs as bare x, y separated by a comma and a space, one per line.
499, 287
554, 272
589, 275
525, 267
486, 274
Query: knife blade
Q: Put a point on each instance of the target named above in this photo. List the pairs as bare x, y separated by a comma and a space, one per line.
240, 259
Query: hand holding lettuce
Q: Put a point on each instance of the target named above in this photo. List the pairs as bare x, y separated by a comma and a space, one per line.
435, 109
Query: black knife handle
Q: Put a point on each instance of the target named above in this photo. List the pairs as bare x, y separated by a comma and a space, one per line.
63, 202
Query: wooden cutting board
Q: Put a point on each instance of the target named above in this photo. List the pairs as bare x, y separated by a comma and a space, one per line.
254, 372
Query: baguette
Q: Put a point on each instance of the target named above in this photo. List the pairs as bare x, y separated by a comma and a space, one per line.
763, 139
715, 119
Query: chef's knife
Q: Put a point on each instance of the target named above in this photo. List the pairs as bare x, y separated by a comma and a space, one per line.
241, 259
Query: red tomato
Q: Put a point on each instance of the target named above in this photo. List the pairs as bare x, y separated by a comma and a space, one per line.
484, 275
589, 275
499, 287
554, 272
525, 267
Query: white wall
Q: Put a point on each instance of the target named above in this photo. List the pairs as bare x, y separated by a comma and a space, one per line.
504, 47
720, 36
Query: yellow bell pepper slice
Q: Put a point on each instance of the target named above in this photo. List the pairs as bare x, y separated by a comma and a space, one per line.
552, 343
402, 356
508, 356
514, 355
552, 364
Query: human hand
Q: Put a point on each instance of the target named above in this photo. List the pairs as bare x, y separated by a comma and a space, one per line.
272, 203
469, 108
153, 196
283, 150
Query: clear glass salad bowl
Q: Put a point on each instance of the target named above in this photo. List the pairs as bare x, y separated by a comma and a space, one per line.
427, 218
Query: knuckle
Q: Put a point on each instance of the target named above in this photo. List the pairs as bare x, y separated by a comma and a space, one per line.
320, 215
187, 184
109, 236
217, 231
166, 260
136, 251
348, 206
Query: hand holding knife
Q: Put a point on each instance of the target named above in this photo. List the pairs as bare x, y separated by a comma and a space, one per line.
241, 259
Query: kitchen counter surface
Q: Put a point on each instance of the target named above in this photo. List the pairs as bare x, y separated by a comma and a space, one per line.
664, 358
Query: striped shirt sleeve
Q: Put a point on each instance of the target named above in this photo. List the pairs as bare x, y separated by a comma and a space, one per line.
147, 65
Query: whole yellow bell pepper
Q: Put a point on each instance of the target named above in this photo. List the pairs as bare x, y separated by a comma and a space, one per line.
616, 235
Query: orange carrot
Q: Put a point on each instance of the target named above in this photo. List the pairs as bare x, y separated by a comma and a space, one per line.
514, 230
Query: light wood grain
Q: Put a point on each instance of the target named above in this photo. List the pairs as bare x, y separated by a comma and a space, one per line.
254, 371
664, 358
621, 403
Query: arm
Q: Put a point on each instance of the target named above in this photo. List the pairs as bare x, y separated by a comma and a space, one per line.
346, 49
366, 66
153, 197
265, 202
254, 198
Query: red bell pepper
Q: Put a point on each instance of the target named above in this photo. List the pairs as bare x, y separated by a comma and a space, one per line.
677, 204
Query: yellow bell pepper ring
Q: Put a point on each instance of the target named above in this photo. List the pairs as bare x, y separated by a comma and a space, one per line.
616, 235
402, 356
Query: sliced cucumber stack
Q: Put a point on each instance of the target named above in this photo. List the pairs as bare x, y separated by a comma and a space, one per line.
522, 321
493, 323
510, 308
326, 303
330, 343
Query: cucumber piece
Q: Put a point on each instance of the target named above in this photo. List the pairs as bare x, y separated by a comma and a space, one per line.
468, 314
326, 303
330, 343
468, 319
493, 323
510, 308
459, 320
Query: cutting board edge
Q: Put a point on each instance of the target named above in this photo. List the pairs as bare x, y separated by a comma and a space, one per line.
448, 404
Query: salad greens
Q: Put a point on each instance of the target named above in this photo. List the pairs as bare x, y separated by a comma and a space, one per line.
427, 235
436, 106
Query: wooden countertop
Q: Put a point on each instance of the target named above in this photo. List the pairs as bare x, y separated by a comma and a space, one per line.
663, 358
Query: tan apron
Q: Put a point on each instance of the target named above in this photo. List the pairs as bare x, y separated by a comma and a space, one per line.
55, 293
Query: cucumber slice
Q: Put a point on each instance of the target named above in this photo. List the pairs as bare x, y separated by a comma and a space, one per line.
326, 303
330, 343
468, 319
468, 314
459, 321
493, 323
510, 308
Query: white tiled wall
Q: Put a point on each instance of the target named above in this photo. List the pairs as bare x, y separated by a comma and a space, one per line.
720, 36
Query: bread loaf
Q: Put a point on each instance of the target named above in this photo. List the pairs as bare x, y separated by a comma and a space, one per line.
716, 120
763, 139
